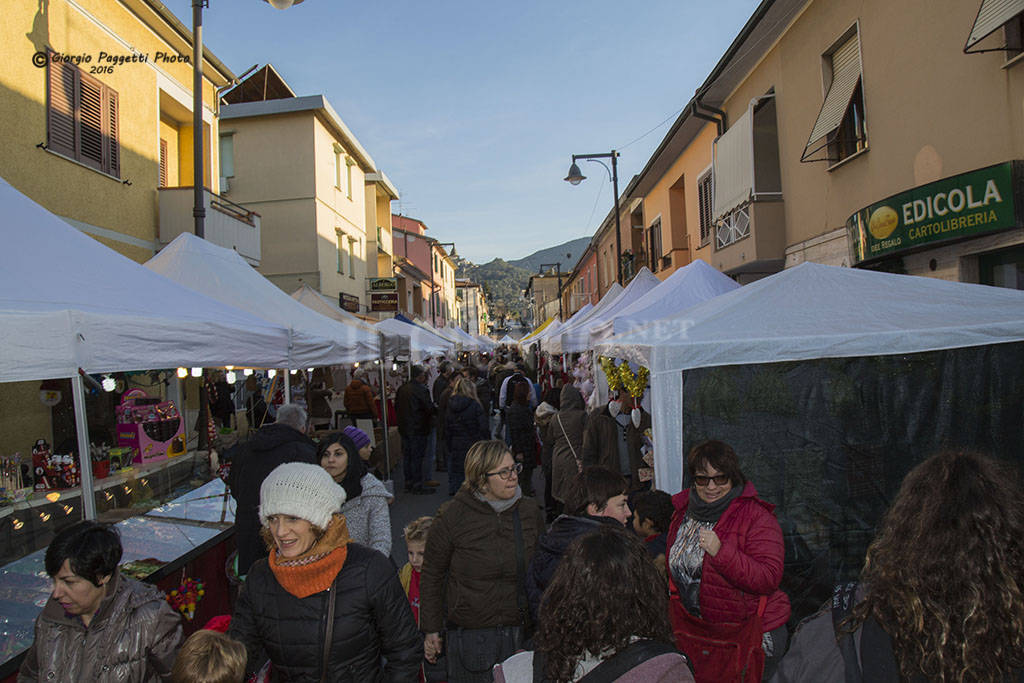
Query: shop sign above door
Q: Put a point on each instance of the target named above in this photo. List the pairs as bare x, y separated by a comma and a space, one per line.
347, 302
965, 205
382, 284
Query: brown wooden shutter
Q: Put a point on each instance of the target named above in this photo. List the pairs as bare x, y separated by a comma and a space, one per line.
60, 107
163, 162
91, 123
111, 136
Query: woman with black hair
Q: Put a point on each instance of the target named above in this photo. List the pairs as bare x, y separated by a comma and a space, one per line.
366, 504
604, 617
99, 625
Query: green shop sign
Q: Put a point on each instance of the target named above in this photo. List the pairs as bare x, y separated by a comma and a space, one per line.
960, 206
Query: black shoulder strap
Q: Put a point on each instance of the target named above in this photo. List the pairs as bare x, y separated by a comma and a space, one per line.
524, 610
842, 606
624, 660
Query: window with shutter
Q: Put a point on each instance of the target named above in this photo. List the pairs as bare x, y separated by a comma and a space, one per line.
840, 127
704, 207
82, 118
163, 162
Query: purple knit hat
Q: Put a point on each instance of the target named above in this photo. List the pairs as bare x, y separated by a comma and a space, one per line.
358, 436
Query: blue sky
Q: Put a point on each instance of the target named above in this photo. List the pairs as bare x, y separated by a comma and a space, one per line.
473, 109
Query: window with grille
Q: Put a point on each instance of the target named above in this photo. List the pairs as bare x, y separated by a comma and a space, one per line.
81, 115
704, 206
734, 227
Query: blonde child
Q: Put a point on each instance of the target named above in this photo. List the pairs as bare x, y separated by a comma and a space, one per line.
209, 657
415, 541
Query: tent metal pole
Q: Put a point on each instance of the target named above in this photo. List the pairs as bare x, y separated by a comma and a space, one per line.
84, 456
384, 410
287, 385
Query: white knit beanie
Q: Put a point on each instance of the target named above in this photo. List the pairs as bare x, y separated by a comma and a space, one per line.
302, 490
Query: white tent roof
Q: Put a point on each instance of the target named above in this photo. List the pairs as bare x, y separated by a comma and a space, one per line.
577, 339
507, 339
487, 342
810, 311
552, 328
224, 275
67, 301
817, 311
417, 342
468, 341
324, 305
553, 342
688, 286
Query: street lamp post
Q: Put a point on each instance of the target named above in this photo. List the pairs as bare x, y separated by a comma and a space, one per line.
574, 177
558, 267
435, 243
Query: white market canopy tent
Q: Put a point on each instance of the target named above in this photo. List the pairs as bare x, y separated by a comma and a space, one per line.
690, 285
553, 328
324, 305
222, 274
807, 312
412, 340
69, 302
552, 343
577, 339
468, 341
487, 342
507, 339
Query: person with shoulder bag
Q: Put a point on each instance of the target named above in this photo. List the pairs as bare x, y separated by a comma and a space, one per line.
472, 589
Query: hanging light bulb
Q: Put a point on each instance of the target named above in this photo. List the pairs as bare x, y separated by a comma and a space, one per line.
356, 364
293, 371
109, 383
197, 372
394, 367
309, 370
229, 367
247, 371
376, 361
182, 373
230, 377
271, 373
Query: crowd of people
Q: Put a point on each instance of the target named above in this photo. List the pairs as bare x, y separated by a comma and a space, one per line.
589, 575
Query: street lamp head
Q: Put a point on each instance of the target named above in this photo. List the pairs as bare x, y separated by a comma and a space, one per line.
452, 253
574, 177
282, 4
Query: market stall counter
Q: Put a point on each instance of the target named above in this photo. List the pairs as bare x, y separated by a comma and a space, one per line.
180, 546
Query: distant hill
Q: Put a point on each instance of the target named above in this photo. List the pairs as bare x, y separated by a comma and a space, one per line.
504, 281
567, 254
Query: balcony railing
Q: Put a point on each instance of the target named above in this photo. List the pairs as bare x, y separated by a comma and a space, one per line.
227, 224
733, 227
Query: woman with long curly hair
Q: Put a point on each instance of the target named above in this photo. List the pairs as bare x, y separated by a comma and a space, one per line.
940, 596
606, 607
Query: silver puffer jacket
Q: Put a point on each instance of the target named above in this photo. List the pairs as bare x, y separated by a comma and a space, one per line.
134, 636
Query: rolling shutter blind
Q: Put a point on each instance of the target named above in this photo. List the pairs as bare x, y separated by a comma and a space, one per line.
733, 166
90, 123
846, 73
991, 15
163, 162
111, 134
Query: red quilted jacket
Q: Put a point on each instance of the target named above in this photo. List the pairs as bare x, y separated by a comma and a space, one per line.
748, 565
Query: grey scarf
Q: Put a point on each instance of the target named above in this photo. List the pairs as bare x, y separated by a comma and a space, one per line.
500, 505
710, 512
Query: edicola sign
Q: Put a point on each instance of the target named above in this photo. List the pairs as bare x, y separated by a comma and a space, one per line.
965, 205
382, 284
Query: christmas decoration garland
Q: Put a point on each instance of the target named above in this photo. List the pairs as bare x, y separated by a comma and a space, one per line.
622, 376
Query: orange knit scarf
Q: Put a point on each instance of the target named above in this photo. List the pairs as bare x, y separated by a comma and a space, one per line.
314, 570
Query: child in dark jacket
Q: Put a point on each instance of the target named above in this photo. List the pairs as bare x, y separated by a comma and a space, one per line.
652, 514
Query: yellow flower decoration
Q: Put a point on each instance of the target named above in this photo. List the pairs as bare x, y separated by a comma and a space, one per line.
611, 372
634, 384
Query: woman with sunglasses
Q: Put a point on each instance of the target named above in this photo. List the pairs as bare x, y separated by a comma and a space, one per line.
725, 564
472, 591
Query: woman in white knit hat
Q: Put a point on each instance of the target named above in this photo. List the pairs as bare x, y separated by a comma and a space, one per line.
323, 608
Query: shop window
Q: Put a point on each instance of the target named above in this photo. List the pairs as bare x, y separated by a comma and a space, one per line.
81, 118
654, 242
993, 15
840, 129
1002, 268
704, 185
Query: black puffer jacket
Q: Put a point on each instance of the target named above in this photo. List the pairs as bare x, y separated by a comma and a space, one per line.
522, 430
415, 409
465, 424
372, 619
550, 549
273, 445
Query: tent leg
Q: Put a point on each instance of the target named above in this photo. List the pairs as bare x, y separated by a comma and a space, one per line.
287, 386
84, 457
384, 415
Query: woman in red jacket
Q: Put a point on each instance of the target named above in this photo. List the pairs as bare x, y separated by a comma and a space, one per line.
725, 562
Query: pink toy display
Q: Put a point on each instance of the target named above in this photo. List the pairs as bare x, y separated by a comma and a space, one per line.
151, 427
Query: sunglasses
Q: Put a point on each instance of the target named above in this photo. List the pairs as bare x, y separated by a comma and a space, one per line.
506, 473
703, 480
